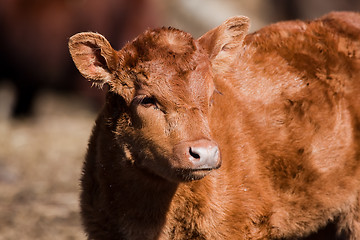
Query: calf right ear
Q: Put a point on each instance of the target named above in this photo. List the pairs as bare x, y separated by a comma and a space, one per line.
99, 62
224, 41
94, 57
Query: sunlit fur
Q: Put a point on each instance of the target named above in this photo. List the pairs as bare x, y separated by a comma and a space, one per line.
283, 105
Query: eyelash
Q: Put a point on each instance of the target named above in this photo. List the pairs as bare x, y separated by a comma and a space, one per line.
147, 102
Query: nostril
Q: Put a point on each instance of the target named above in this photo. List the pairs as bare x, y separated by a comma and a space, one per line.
194, 154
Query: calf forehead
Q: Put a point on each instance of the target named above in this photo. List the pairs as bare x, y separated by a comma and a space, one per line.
170, 61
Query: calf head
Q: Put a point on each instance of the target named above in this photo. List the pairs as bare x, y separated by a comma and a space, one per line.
161, 89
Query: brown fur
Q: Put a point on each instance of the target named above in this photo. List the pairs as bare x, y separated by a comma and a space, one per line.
282, 105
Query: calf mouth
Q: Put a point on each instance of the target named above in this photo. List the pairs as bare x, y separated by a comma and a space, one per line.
204, 168
193, 174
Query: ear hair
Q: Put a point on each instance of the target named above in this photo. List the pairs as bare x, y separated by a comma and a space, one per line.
94, 57
224, 40
99, 62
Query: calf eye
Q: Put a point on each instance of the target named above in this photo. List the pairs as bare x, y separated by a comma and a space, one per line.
149, 102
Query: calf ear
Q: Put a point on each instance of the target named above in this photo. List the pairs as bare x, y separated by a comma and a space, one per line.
94, 57
224, 41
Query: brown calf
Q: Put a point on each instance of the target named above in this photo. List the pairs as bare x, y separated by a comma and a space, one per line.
278, 110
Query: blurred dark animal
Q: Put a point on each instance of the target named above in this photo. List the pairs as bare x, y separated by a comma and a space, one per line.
278, 110
308, 9
32, 47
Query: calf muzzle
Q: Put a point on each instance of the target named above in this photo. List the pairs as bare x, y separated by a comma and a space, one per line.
198, 155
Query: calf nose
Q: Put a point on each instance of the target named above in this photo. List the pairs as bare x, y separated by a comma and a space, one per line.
204, 154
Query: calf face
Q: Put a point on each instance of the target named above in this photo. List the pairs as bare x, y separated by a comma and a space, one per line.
160, 98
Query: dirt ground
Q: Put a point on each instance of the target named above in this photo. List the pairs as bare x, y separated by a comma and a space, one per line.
40, 166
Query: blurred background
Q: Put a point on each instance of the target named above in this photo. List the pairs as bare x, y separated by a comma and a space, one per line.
47, 109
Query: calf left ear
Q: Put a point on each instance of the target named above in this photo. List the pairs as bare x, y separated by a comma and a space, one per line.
223, 42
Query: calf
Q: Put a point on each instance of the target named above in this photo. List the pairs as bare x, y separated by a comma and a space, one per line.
227, 136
